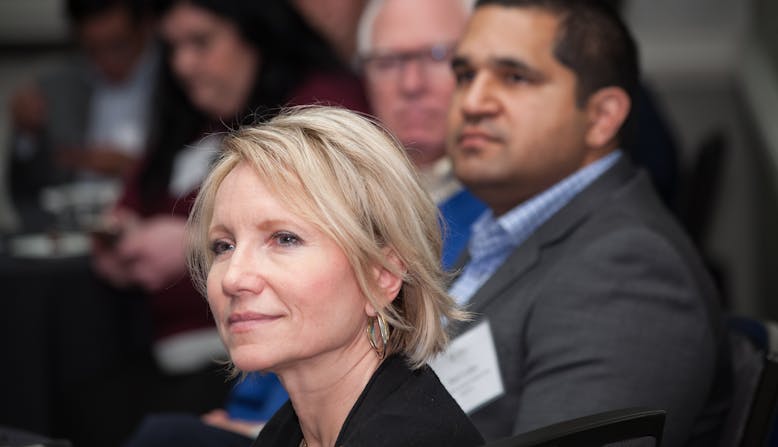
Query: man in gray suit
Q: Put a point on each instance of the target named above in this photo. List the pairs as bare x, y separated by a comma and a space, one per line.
595, 298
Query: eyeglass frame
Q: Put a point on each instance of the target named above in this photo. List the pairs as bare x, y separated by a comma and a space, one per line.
435, 54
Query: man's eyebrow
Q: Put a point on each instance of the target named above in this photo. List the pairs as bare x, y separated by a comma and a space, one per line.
510, 63
503, 63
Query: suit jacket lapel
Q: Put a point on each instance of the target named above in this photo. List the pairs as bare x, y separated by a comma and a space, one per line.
524, 257
519, 261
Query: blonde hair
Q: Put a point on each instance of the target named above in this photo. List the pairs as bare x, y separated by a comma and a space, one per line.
352, 179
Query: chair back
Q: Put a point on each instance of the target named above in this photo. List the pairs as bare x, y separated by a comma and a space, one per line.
594, 431
751, 416
761, 422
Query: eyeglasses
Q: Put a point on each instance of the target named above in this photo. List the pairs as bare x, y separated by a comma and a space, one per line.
391, 64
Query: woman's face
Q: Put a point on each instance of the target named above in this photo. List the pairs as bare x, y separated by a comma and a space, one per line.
215, 65
281, 291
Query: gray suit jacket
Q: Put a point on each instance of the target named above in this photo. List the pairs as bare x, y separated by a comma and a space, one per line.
606, 306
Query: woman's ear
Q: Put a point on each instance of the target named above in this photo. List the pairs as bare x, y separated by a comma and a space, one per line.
607, 110
389, 281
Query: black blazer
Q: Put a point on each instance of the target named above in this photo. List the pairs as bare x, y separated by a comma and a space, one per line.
398, 407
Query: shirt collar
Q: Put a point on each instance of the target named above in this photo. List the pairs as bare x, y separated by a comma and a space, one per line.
522, 220
438, 180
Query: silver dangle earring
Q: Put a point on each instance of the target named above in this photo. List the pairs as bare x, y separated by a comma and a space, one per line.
383, 330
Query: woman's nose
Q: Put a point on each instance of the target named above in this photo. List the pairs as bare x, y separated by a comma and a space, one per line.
242, 275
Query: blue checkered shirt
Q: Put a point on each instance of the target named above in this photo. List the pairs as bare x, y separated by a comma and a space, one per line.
493, 240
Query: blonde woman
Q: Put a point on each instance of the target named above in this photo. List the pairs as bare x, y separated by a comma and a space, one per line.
319, 254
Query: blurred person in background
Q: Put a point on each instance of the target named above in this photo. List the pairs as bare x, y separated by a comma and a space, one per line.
229, 62
336, 21
90, 118
405, 49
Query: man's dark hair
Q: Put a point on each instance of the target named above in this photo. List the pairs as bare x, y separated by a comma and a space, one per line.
79, 11
592, 41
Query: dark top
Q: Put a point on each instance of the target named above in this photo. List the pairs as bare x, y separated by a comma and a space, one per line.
398, 407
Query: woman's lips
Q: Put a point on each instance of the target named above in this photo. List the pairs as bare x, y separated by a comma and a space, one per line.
244, 321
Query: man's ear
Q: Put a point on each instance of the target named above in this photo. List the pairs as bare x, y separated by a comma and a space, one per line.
389, 283
607, 109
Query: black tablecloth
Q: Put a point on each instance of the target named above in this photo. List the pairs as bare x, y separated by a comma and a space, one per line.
60, 327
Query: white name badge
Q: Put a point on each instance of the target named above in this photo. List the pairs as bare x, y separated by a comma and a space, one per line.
469, 369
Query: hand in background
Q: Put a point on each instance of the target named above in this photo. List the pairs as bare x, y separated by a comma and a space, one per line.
107, 261
221, 419
154, 252
101, 160
28, 109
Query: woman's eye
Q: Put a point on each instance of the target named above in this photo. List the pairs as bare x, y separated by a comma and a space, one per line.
287, 239
221, 246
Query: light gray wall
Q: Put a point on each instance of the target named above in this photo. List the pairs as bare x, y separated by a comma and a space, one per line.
32, 22
760, 84
766, 29
693, 53
691, 39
